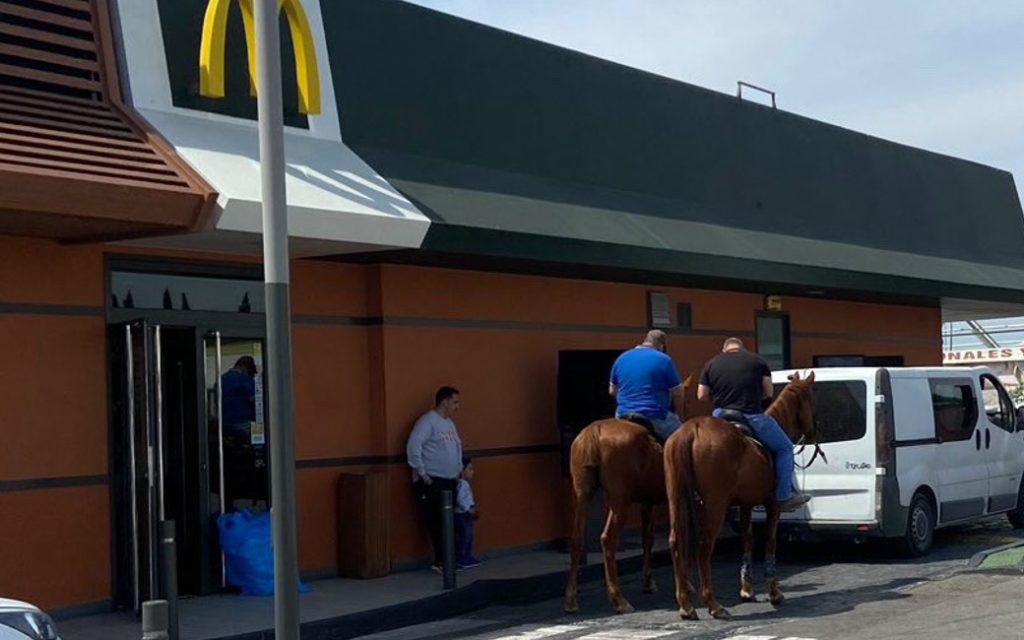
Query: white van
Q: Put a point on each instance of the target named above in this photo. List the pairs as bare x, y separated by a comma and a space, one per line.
909, 450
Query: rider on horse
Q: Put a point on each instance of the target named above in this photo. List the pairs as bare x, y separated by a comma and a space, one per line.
738, 381
647, 387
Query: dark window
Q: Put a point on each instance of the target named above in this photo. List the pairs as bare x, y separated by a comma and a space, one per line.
582, 393
132, 290
773, 339
998, 406
840, 410
684, 315
955, 409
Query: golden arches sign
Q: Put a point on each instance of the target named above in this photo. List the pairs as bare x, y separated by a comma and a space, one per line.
211, 50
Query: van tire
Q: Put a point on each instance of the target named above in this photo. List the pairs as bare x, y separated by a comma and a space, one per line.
1016, 517
920, 526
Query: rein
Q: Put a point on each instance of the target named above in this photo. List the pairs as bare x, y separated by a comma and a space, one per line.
817, 451
802, 442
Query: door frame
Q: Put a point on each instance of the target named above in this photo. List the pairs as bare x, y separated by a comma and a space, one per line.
232, 324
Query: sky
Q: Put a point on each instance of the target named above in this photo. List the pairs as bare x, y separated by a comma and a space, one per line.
937, 74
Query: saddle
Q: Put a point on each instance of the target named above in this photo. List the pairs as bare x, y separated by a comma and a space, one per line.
643, 421
739, 421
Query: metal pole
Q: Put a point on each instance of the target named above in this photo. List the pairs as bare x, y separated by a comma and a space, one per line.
448, 538
279, 347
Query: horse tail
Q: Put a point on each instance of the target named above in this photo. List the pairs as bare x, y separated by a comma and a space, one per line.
689, 522
586, 459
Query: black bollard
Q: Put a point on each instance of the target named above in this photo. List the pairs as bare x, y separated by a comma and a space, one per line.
169, 575
448, 538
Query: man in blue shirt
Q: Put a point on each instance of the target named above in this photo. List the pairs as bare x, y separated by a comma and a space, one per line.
238, 390
645, 382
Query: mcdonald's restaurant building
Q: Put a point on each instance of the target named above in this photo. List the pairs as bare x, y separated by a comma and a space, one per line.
465, 207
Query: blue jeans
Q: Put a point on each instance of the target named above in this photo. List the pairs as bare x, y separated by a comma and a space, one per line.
464, 539
770, 434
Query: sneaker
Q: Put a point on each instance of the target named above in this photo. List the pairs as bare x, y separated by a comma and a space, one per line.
471, 563
794, 503
437, 568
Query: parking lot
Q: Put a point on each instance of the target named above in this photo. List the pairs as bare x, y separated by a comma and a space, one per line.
833, 589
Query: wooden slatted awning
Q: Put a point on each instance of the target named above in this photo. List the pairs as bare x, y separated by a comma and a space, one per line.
75, 162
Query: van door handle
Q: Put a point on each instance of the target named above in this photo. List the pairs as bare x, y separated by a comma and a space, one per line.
977, 440
988, 438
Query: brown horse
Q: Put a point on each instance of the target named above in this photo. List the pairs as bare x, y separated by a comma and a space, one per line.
709, 466
627, 463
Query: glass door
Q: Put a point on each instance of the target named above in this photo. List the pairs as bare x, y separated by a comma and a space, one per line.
236, 428
139, 457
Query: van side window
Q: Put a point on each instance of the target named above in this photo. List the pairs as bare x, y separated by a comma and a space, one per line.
955, 409
998, 406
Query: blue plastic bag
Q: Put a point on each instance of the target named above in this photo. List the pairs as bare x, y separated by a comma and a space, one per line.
245, 540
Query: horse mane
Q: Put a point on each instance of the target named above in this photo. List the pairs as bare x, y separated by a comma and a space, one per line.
786, 406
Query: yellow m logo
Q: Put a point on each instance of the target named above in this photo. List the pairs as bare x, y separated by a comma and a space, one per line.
211, 51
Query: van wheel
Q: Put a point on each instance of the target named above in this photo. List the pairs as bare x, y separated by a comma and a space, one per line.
920, 526
1016, 517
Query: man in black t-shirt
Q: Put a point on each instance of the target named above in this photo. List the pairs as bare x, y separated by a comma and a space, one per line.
741, 381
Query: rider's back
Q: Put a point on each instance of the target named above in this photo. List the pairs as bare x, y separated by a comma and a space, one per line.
735, 379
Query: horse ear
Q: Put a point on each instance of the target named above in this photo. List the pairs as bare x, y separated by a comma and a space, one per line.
793, 377
688, 382
810, 378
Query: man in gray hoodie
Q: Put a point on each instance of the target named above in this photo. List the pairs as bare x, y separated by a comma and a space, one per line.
434, 451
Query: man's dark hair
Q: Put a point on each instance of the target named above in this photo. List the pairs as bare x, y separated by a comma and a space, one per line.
443, 394
247, 363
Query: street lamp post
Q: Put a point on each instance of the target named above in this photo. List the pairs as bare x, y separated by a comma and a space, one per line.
279, 344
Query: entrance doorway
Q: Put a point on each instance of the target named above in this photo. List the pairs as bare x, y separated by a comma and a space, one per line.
189, 444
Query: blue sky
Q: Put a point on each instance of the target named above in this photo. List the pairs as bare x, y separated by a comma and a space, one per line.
941, 75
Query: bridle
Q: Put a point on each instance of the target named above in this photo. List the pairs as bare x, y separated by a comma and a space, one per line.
817, 451
802, 443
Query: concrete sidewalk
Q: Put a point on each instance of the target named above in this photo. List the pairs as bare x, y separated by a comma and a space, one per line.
345, 608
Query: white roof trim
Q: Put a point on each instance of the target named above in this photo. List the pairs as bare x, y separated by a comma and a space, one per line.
336, 201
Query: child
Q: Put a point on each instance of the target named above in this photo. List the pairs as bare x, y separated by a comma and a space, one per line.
465, 514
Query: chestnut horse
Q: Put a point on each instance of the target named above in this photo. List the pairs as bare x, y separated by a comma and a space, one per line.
624, 460
709, 466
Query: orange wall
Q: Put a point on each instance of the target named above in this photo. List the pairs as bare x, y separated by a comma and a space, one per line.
506, 369
359, 386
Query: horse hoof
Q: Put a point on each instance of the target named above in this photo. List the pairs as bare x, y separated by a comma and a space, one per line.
721, 614
777, 600
651, 588
748, 597
688, 615
571, 607
623, 608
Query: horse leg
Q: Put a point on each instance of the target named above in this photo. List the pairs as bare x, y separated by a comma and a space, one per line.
772, 519
677, 538
609, 545
714, 518
583, 492
746, 587
648, 542
617, 511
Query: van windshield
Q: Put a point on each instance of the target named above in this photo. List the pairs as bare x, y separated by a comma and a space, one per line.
840, 412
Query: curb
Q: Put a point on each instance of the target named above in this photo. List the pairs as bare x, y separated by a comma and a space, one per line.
981, 556
459, 601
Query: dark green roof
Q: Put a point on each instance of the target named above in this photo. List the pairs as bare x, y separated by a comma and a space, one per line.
493, 133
